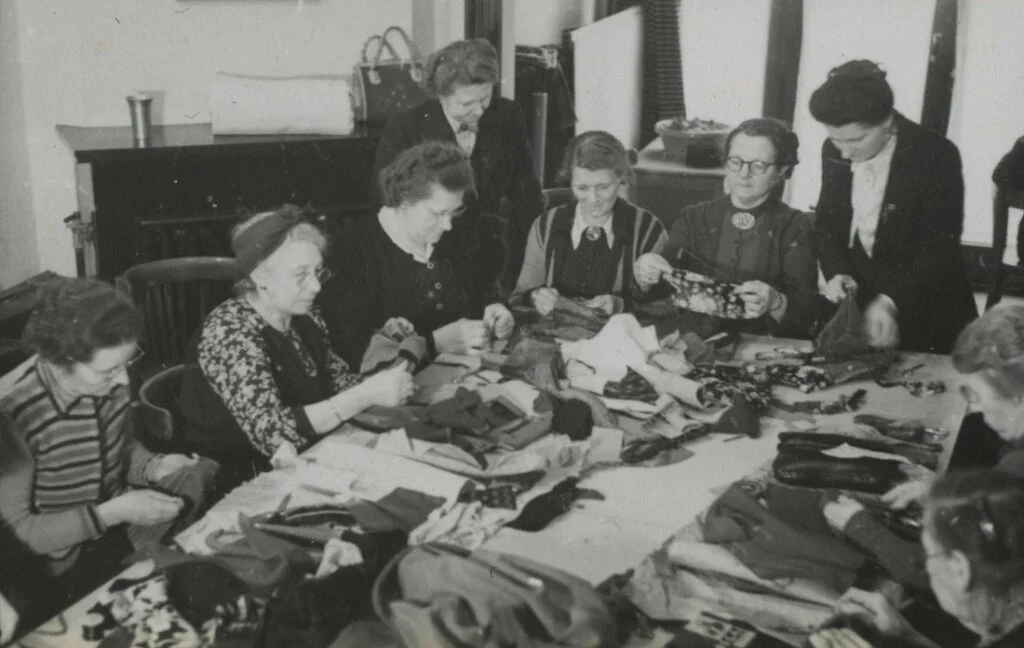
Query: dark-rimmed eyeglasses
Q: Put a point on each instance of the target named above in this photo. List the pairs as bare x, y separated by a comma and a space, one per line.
757, 167
117, 369
322, 274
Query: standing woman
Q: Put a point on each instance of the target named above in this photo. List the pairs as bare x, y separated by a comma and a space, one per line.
749, 236
586, 248
890, 214
263, 370
492, 132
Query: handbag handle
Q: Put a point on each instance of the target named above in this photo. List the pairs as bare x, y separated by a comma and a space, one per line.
414, 54
382, 44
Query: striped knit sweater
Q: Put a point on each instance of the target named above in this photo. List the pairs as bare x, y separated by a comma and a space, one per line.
60, 456
638, 225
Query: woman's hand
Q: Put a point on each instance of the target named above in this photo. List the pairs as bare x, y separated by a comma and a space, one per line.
142, 507
880, 323
920, 482
876, 611
498, 321
758, 297
389, 388
462, 336
607, 304
839, 512
839, 287
167, 465
837, 638
544, 300
648, 269
398, 328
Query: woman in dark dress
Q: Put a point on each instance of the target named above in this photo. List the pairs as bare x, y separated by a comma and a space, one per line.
973, 546
404, 263
890, 214
491, 130
749, 236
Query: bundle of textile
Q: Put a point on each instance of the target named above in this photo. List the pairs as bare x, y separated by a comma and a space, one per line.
700, 294
817, 460
392, 345
843, 335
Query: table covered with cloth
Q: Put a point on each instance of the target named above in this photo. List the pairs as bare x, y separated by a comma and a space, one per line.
640, 509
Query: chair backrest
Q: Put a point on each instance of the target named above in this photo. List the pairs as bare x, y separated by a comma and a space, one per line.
174, 295
557, 196
163, 390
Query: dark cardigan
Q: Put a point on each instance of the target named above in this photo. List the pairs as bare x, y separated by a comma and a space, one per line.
371, 284
916, 258
502, 170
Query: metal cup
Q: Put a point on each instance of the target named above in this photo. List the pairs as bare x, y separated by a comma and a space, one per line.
139, 108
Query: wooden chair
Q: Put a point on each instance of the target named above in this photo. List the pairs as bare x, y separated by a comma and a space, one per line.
556, 197
174, 295
1004, 199
162, 391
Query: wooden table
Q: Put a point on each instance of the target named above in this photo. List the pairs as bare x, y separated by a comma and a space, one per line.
644, 506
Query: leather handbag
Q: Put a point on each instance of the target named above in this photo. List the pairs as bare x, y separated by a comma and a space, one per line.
384, 87
445, 597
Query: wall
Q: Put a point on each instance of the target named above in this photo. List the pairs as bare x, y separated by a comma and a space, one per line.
79, 59
540, 22
18, 256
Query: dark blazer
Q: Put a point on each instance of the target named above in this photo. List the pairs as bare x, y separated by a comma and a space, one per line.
502, 166
916, 258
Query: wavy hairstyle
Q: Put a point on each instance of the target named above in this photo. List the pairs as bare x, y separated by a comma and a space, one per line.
783, 139
595, 151
855, 92
462, 63
411, 177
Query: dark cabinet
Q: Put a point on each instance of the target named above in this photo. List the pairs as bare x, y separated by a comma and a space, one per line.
665, 185
182, 195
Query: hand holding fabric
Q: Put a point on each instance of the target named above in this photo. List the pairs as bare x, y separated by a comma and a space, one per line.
143, 507
880, 323
498, 321
389, 388
398, 328
876, 611
758, 297
648, 269
607, 304
544, 300
167, 465
462, 336
839, 286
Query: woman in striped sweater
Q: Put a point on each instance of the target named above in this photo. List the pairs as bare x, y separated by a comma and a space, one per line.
585, 250
71, 472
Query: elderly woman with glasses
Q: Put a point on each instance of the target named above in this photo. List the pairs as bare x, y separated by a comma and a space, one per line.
586, 249
491, 131
749, 236
75, 482
972, 550
403, 265
264, 372
890, 214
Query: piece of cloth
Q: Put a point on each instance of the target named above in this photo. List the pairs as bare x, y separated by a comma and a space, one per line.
843, 335
400, 510
541, 510
552, 259
503, 173
247, 385
867, 192
786, 536
385, 350
916, 257
374, 280
902, 559
776, 250
573, 418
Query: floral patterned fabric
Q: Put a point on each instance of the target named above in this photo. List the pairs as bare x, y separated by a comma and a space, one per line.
236, 360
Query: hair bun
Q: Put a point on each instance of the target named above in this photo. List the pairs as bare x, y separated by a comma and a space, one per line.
862, 68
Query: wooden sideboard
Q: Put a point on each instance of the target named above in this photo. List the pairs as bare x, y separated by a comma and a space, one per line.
181, 195
665, 185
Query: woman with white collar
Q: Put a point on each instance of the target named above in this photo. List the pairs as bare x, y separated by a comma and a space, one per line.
890, 214
586, 249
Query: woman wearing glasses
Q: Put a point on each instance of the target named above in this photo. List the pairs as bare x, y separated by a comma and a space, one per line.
890, 214
263, 370
749, 236
586, 249
972, 548
403, 263
75, 484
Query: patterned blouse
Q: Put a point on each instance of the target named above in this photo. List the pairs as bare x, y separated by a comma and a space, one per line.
234, 358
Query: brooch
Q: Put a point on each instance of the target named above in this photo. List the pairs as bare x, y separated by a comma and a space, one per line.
743, 220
